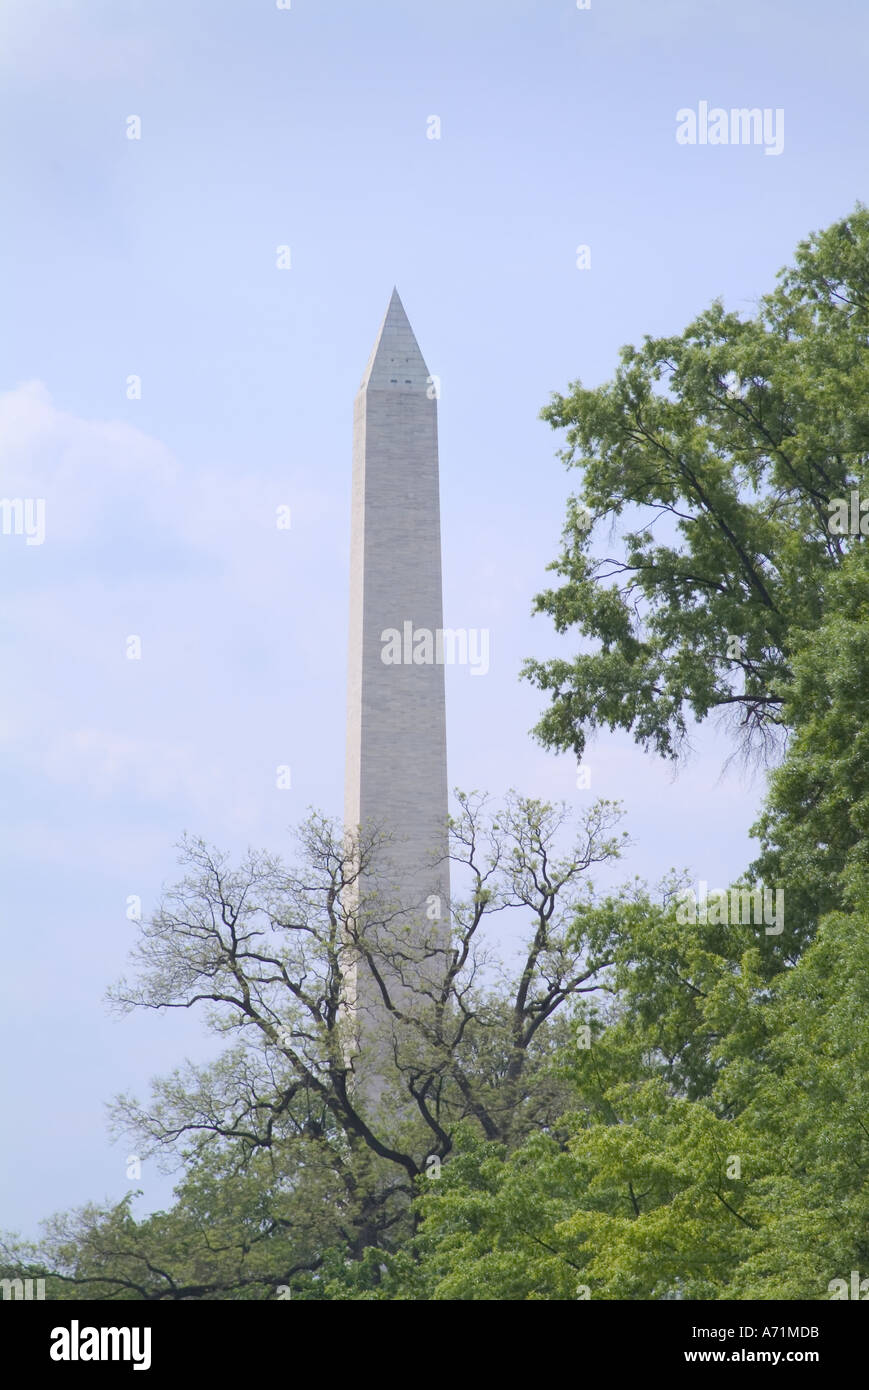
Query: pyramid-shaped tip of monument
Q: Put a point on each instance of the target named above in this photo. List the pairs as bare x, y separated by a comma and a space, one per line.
396, 362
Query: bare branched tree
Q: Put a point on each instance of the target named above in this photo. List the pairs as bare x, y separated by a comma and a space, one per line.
267, 953
288, 1169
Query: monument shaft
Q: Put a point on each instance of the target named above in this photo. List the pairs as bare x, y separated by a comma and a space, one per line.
396, 772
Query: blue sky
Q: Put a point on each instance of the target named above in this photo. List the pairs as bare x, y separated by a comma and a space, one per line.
157, 258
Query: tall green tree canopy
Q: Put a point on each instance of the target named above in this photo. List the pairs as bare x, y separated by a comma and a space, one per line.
814, 829
717, 455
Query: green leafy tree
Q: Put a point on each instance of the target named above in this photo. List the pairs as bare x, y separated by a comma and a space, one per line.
718, 453
814, 830
755, 1188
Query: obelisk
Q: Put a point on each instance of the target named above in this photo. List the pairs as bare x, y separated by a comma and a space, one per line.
396, 768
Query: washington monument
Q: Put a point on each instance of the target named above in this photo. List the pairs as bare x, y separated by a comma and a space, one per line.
396, 769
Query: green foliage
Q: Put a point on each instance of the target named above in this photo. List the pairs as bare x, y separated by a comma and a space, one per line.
722, 448
756, 1190
814, 827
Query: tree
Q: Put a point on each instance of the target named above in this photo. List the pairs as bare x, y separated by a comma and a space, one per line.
813, 829
724, 449
754, 1189
290, 1170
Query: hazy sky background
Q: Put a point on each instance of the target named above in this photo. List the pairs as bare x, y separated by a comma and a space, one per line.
307, 127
